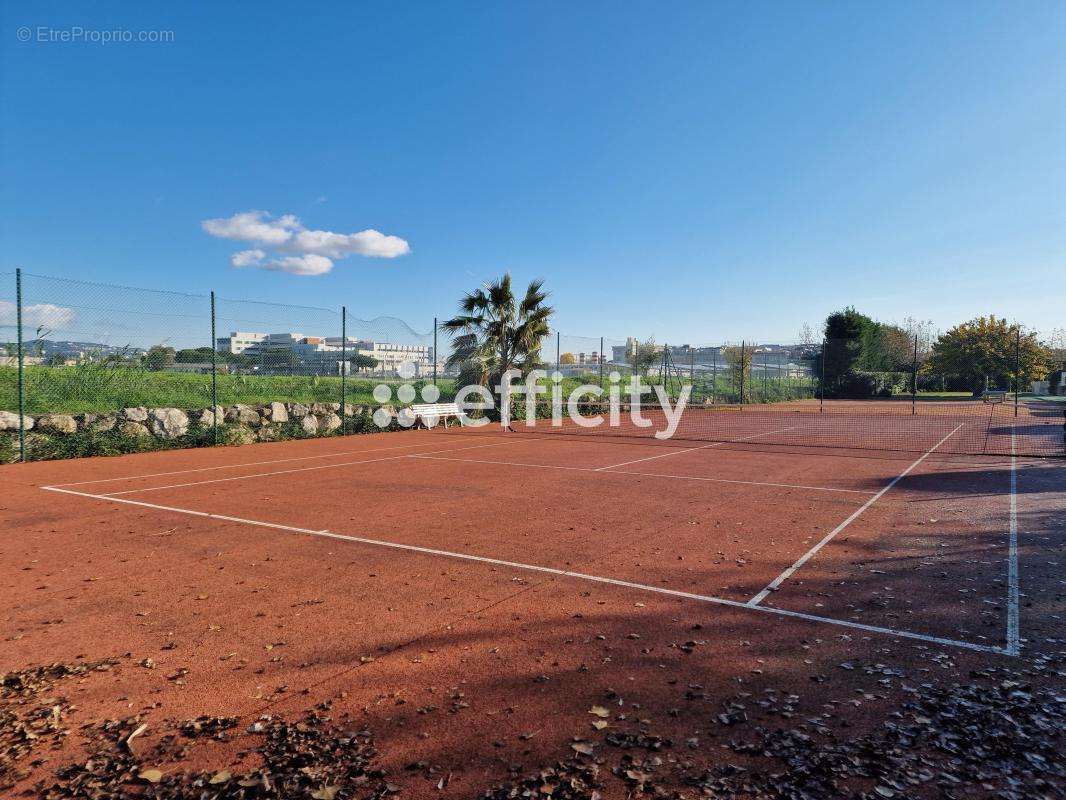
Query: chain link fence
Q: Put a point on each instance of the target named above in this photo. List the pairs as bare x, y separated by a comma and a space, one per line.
95, 358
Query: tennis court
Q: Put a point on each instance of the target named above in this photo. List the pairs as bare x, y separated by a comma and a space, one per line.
750, 519
471, 593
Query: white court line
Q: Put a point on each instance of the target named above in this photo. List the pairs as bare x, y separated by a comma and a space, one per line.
784, 576
640, 474
298, 469
1013, 626
551, 571
246, 464
701, 447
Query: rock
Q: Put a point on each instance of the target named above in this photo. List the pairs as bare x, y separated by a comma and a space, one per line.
57, 423
309, 424
298, 410
135, 414
169, 423
276, 412
206, 418
10, 421
238, 434
133, 429
267, 433
329, 423
243, 415
101, 423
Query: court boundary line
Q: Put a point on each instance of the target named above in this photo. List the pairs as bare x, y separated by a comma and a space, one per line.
737, 604
773, 585
429, 457
244, 464
1013, 588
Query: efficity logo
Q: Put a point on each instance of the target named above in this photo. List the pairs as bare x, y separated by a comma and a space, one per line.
406, 394
515, 389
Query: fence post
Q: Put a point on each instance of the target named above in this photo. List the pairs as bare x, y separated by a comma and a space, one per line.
914, 378
435, 358
21, 366
821, 378
344, 367
601, 362
214, 374
558, 354
742, 349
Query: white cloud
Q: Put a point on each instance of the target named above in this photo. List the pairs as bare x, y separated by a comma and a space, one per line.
253, 226
247, 258
41, 315
301, 265
298, 249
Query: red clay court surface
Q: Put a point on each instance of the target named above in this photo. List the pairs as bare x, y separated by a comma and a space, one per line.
508, 582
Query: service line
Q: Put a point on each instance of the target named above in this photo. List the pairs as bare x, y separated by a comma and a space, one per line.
784, 576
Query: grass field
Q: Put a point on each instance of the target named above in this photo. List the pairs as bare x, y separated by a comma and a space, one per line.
82, 389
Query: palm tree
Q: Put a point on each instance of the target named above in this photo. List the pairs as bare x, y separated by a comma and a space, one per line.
495, 332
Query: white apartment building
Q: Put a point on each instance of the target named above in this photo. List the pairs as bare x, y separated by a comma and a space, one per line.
390, 356
239, 341
321, 350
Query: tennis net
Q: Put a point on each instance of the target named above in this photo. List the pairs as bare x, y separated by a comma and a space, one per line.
959, 427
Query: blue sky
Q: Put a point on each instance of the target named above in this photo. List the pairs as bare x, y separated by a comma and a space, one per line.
692, 171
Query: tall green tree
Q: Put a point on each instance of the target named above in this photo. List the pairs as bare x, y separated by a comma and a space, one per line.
644, 356
496, 331
159, 357
988, 353
844, 334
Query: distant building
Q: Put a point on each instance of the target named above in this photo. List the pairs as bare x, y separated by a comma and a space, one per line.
322, 355
239, 341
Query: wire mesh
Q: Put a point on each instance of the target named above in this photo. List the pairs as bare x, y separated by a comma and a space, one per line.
90, 348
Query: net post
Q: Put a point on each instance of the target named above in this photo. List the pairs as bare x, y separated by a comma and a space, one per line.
1017, 365
714, 373
21, 366
914, 378
434, 351
344, 367
821, 378
214, 374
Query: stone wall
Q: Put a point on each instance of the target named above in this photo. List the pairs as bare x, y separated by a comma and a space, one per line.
243, 423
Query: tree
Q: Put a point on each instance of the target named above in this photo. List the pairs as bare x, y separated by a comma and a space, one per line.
159, 357
360, 361
986, 352
739, 359
197, 355
567, 358
495, 331
844, 331
644, 355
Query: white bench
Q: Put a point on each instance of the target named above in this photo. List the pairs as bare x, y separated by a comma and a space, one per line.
436, 411
994, 396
